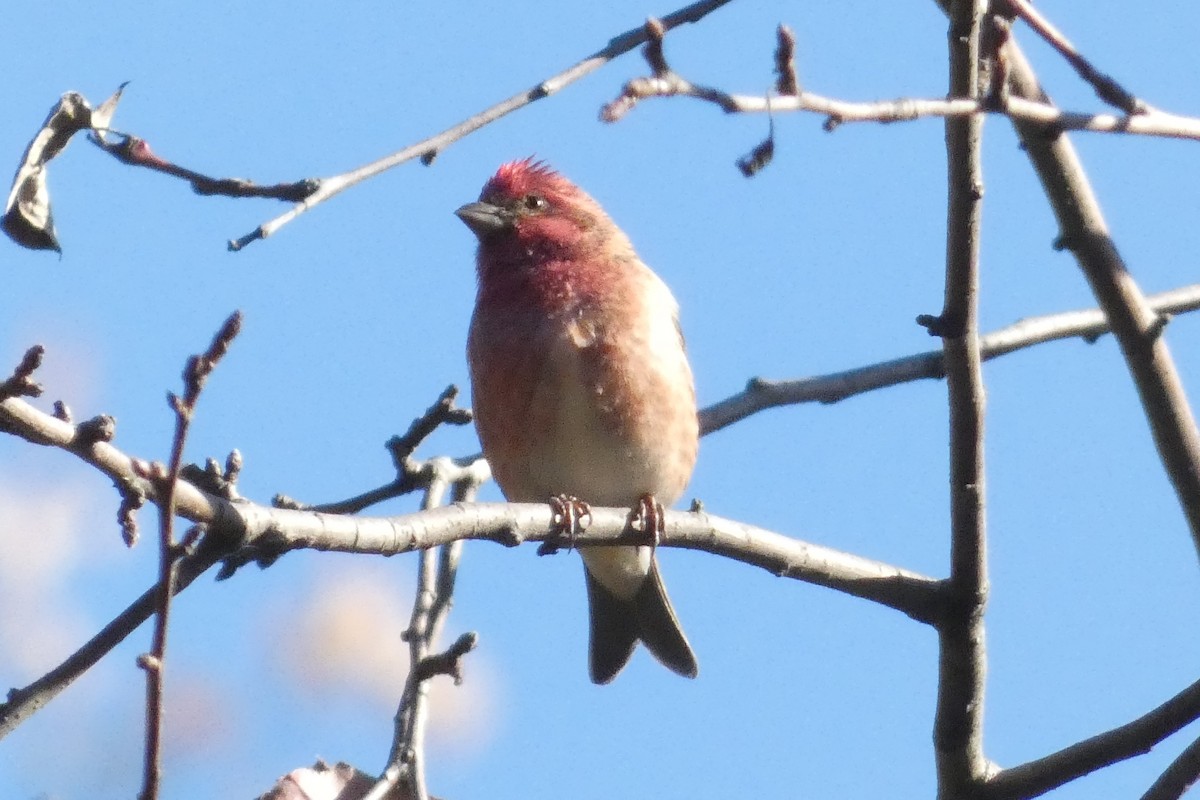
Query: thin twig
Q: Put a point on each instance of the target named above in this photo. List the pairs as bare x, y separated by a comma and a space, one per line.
962, 661
428, 149
411, 473
21, 382
195, 374
1107, 88
436, 575
136, 152
786, 82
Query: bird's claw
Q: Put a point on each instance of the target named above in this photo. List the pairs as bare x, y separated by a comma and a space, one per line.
649, 517
571, 516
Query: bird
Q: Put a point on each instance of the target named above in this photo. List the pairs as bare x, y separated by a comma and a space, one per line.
581, 388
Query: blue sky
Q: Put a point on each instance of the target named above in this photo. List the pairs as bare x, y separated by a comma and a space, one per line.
356, 317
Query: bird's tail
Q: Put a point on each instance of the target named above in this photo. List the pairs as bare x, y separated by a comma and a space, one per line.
618, 624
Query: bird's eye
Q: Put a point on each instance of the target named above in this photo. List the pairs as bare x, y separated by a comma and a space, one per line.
534, 202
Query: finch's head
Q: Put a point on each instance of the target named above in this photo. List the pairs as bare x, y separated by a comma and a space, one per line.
528, 211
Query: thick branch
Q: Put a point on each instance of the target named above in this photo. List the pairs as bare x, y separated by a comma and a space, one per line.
1135, 323
1179, 777
962, 661
246, 531
273, 531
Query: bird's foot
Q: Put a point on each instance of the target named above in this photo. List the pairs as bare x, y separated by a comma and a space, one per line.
571, 516
649, 517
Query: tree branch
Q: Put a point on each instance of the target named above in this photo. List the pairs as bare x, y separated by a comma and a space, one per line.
195, 374
23, 703
1045, 115
1107, 89
1179, 777
1135, 323
761, 393
268, 532
240, 531
428, 149
962, 661
411, 473
1131, 739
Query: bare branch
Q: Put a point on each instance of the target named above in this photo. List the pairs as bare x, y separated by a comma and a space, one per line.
761, 394
195, 374
136, 152
1179, 777
21, 382
23, 703
1135, 323
653, 51
411, 474
962, 662
1107, 88
427, 149
280, 530
436, 578
1129, 740
1152, 122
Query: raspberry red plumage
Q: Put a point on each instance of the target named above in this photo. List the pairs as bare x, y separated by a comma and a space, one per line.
581, 386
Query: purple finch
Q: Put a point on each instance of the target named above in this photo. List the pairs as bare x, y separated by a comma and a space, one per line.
582, 388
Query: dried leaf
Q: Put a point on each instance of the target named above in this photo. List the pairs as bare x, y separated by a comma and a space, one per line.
28, 220
103, 114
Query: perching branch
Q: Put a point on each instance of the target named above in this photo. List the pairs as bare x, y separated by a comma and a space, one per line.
962, 658
237, 532
273, 532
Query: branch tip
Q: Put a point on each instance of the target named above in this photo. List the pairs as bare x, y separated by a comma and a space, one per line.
21, 382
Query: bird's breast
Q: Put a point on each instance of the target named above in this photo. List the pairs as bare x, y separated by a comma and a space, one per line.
597, 403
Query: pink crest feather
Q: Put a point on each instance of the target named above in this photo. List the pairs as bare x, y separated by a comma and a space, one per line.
517, 178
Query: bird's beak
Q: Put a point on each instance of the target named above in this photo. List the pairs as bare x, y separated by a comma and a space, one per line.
485, 219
